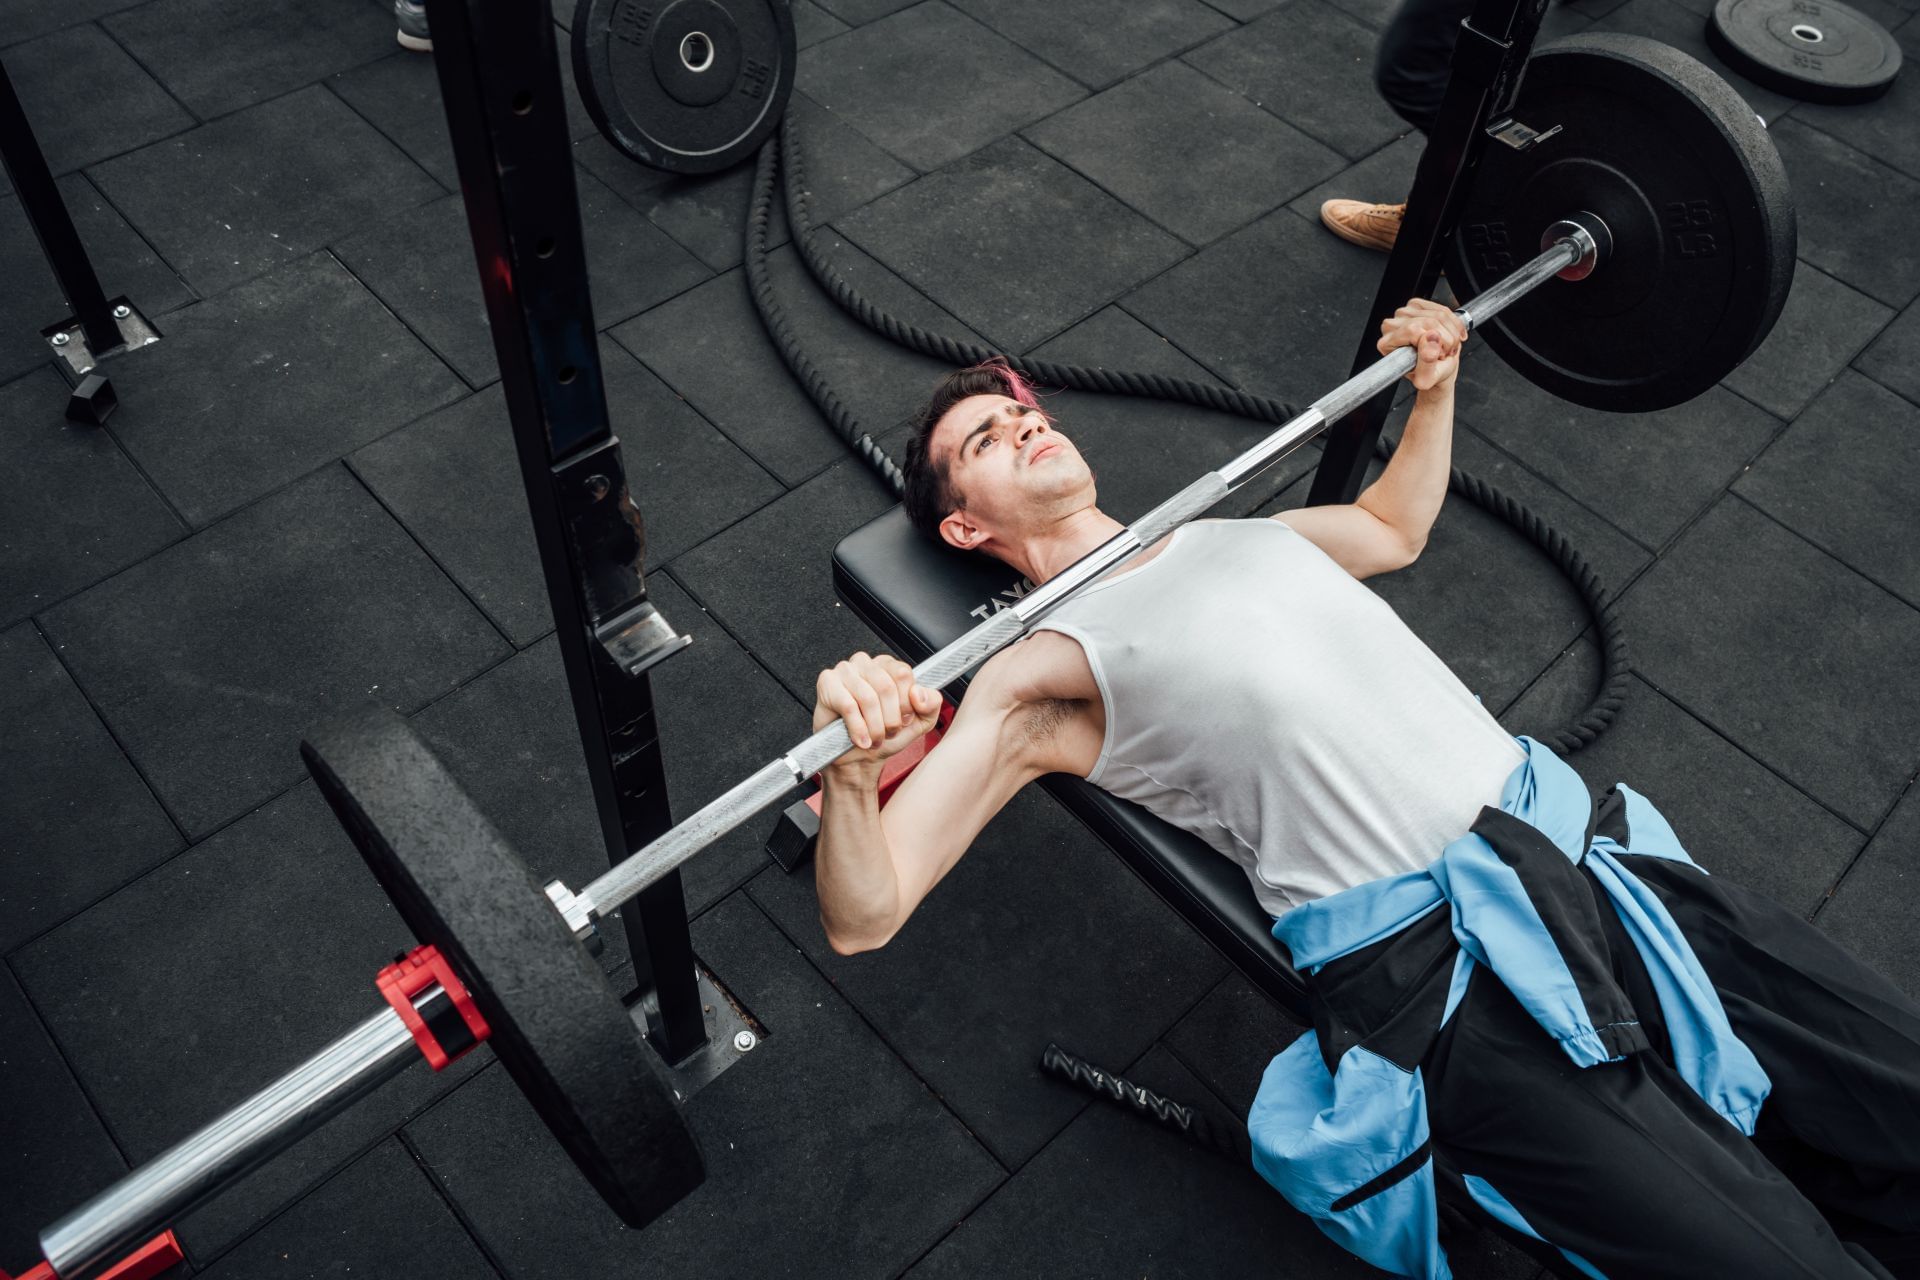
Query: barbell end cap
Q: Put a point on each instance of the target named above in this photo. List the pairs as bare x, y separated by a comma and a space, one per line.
578, 911
1589, 234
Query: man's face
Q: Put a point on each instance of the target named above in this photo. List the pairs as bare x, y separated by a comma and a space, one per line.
1011, 471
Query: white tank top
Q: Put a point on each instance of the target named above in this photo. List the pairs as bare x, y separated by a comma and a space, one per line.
1260, 697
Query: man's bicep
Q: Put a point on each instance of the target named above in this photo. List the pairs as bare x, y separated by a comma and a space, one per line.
1356, 539
935, 813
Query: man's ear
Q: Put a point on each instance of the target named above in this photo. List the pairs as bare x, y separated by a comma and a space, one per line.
958, 531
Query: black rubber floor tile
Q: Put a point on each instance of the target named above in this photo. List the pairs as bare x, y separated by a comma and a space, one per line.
209, 660
812, 24
1674, 24
1143, 449
705, 214
1245, 10
379, 1217
1888, 129
1734, 816
1646, 473
1872, 913
824, 1155
1189, 153
192, 988
1013, 242
75, 819
1855, 214
843, 169
1846, 475
58, 1153
769, 578
1312, 65
1894, 358
881, 80
861, 12
711, 348
124, 263
1788, 652
1039, 934
1117, 1196
1375, 13
220, 55
1099, 41
23, 20
86, 99
1824, 325
273, 379
423, 268
1276, 307
454, 480
400, 96
511, 738
708, 214
1385, 177
1617, 559
232, 199
1228, 1039
72, 509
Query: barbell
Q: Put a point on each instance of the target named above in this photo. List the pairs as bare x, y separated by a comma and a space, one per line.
1649, 191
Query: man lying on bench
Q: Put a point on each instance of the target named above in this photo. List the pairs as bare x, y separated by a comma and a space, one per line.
1535, 1008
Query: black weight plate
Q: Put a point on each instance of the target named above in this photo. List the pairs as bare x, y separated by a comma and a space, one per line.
553, 1020
689, 86
1682, 172
1818, 50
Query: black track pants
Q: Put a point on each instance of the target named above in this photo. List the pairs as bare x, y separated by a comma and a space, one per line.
1623, 1166
1415, 56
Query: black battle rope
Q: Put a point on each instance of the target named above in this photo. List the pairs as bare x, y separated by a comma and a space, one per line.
1222, 1137
1587, 727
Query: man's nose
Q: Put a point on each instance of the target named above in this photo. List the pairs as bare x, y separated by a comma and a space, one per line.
1028, 424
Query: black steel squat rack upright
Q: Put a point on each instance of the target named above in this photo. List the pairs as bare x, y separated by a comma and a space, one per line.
500, 80
1489, 58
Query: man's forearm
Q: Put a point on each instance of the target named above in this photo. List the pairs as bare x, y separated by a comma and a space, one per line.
854, 874
1409, 492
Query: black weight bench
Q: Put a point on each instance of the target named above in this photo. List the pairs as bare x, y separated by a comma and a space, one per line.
920, 596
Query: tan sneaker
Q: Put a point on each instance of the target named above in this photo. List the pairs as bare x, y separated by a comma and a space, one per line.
1371, 226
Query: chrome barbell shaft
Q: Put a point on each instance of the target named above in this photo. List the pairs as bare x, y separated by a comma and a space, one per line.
773, 780
129, 1212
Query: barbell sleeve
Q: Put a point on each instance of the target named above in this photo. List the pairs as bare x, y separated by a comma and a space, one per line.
774, 780
172, 1183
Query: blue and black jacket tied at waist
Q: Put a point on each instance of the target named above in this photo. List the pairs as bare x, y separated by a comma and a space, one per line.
1340, 1126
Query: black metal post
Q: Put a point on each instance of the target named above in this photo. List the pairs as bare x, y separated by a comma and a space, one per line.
501, 84
52, 226
1488, 60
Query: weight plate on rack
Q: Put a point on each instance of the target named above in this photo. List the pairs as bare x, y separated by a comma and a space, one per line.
553, 1021
1819, 50
689, 86
1682, 173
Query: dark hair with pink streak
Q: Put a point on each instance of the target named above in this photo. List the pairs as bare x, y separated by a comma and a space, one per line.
928, 498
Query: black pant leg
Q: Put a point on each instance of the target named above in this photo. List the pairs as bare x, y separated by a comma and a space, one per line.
1840, 1043
1621, 1165
1415, 56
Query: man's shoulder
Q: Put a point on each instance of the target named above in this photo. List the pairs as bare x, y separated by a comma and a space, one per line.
1046, 666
